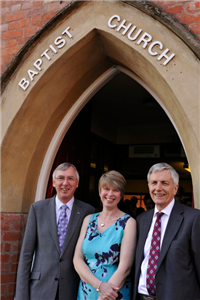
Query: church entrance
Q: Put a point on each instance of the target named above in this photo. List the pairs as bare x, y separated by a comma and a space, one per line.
78, 60
121, 128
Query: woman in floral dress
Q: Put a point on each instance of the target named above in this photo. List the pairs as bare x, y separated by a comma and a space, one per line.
105, 249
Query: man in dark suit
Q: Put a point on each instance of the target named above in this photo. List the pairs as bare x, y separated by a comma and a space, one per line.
176, 265
46, 270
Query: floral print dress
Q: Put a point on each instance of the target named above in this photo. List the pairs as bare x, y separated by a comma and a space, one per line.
101, 252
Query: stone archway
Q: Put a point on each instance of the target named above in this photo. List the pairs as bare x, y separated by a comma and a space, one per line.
66, 61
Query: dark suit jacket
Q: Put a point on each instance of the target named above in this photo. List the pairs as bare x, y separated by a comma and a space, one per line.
38, 277
178, 271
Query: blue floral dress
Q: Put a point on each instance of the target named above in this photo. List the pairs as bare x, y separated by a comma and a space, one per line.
101, 253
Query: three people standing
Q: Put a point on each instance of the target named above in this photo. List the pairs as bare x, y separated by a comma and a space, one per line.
167, 257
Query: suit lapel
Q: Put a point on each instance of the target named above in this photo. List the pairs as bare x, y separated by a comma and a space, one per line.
145, 224
173, 226
74, 219
51, 219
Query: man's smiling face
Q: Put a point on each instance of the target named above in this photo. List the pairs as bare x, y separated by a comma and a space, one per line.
161, 188
65, 183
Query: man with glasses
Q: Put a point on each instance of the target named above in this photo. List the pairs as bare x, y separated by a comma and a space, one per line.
46, 270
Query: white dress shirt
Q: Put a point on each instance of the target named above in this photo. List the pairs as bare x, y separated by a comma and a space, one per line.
164, 220
58, 208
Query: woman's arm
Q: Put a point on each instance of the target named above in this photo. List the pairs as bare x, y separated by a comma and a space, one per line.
106, 290
127, 253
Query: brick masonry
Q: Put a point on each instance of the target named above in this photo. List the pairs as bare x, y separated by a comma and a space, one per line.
20, 20
12, 231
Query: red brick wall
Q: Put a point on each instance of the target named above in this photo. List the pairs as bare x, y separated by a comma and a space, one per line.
12, 230
21, 19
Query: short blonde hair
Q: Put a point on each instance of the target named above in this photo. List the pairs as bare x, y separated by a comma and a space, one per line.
114, 179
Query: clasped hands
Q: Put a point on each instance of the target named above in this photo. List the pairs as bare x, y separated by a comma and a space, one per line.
108, 291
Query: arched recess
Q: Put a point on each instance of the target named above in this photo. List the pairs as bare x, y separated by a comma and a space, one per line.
65, 71
71, 115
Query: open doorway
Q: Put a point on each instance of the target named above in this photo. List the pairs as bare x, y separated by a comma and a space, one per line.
123, 128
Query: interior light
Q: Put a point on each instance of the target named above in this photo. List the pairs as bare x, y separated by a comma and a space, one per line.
186, 167
93, 165
105, 168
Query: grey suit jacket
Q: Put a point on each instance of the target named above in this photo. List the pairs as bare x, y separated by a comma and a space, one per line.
42, 267
178, 271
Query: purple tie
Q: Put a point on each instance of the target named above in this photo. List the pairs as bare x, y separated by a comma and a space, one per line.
154, 255
62, 225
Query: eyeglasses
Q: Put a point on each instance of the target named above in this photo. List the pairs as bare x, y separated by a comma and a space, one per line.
69, 179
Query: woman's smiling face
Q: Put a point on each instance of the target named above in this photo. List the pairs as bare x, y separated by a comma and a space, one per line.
110, 196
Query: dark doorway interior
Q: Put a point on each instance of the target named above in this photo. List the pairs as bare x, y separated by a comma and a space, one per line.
122, 128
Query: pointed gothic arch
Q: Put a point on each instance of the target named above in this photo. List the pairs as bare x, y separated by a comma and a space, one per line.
68, 59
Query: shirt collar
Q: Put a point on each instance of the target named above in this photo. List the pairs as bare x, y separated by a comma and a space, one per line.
167, 210
60, 203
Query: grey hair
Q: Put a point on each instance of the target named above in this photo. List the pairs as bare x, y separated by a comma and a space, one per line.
164, 166
115, 179
63, 167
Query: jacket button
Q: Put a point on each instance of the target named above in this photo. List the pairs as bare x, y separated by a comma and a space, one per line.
60, 260
56, 279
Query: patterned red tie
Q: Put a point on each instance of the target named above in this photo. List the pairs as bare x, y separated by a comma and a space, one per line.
154, 255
